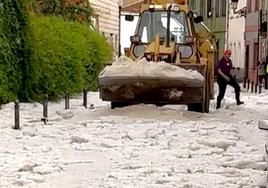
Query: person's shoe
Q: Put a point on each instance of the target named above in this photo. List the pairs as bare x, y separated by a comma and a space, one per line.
240, 102
218, 104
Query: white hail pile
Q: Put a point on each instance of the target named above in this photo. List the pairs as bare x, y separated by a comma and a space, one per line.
124, 66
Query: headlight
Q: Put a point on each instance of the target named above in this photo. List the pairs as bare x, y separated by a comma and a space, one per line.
176, 8
164, 56
189, 39
139, 51
151, 7
186, 51
181, 2
135, 39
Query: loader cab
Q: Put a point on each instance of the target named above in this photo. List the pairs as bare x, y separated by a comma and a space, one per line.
154, 22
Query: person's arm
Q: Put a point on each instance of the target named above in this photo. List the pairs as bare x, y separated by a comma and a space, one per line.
223, 75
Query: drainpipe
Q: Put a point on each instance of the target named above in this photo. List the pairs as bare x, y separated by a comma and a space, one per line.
258, 49
266, 46
119, 32
226, 45
259, 30
168, 26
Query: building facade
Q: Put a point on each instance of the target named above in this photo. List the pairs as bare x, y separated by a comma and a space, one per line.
255, 39
214, 14
252, 41
235, 38
106, 20
263, 39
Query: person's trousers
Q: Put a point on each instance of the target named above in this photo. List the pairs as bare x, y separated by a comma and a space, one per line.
222, 88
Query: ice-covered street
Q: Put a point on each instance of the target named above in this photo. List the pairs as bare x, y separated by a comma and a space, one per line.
135, 146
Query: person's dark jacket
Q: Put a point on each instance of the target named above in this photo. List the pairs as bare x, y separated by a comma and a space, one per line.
225, 66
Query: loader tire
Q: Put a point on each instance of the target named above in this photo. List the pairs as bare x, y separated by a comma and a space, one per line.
196, 107
207, 104
200, 107
118, 104
160, 104
204, 106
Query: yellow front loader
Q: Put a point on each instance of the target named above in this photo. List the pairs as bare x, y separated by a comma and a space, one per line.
167, 31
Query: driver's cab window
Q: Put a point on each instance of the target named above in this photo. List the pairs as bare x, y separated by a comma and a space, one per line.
201, 27
144, 38
153, 23
178, 27
160, 27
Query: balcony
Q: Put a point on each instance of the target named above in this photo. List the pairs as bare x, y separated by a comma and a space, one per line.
132, 5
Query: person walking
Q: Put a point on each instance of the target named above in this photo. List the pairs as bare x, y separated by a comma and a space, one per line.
261, 73
225, 78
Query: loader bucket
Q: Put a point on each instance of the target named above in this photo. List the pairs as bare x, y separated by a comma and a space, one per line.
150, 84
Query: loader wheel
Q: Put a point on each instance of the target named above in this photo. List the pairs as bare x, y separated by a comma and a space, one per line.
207, 104
204, 106
196, 107
118, 104
200, 107
160, 104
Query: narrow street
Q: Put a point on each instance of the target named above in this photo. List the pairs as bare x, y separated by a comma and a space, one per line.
131, 51
135, 146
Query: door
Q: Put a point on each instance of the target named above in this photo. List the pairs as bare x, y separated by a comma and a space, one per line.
246, 62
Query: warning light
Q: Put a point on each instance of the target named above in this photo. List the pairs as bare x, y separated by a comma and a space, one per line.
181, 2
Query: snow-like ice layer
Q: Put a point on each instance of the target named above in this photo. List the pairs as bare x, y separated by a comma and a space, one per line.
124, 66
135, 146
263, 124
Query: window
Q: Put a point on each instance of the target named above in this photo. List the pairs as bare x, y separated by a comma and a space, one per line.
239, 55
230, 47
193, 4
223, 7
217, 8
256, 51
264, 4
234, 53
247, 61
256, 5
111, 39
155, 22
95, 21
202, 7
144, 35
248, 6
116, 44
209, 8
178, 26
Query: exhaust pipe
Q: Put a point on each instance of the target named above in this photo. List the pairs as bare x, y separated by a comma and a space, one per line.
168, 26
